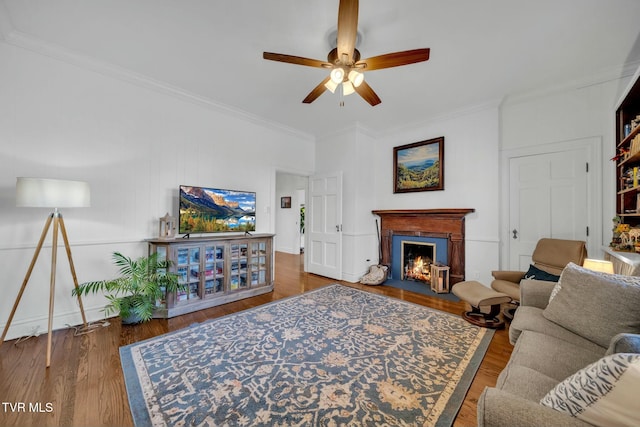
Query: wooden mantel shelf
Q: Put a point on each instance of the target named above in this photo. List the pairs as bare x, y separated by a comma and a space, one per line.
444, 223
410, 212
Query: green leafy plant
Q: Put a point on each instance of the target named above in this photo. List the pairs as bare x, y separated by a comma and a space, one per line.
134, 294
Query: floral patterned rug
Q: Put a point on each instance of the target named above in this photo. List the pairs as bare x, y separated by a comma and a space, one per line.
332, 356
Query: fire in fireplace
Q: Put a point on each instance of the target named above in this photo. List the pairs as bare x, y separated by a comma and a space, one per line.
417, 258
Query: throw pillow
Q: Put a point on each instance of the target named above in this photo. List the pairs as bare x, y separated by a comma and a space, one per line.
538, 274
595, 305
603, 394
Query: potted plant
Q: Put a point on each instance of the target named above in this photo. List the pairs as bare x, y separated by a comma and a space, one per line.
142, 282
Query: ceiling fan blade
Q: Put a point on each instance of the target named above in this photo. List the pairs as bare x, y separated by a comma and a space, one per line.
347, 29
316, 92
365, 91
298, 60
393, 59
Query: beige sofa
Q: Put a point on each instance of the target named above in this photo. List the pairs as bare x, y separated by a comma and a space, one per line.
591, 318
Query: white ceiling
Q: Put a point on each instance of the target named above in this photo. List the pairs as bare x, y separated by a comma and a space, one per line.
481, 50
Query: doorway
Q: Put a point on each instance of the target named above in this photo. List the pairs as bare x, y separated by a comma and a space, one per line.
550, 191
291, 195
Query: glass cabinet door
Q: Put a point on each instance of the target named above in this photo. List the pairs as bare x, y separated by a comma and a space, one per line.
213, 270
258, 263
188, 270
238, 259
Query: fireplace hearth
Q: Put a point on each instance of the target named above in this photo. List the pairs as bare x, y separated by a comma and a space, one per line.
424, 225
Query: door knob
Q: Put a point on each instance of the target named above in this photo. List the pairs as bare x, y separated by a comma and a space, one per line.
515, 233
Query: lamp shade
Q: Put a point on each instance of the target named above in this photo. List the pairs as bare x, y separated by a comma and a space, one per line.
347, 88
52, 193
331, 85
598, 265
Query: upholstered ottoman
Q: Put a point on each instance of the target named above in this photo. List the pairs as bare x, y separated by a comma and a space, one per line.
477, 296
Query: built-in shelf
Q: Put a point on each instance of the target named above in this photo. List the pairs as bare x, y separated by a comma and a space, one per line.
627, 122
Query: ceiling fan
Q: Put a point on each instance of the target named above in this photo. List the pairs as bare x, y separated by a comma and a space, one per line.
344, 60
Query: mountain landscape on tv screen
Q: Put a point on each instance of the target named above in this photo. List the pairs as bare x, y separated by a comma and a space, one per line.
210, 210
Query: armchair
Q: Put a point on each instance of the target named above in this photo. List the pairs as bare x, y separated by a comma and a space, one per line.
550, 256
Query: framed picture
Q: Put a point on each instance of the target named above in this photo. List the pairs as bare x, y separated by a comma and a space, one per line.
285, 202
419, 166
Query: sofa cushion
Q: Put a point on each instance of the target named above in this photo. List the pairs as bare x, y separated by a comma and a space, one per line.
538, 274
532, 319
595, 305
551, 356
525, 382
603, 394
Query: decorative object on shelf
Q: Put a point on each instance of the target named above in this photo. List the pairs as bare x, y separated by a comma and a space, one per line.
50, 193
419, 166
598, 265
439, 278
167, 227
285, 202
134, 294
625, 238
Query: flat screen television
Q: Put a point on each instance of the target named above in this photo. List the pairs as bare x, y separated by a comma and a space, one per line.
215, 210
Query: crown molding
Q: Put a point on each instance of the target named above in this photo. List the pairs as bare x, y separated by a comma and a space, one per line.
39, 46
606, 75
355, 128
492, 104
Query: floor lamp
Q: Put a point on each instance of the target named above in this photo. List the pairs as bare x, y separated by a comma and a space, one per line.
50, 193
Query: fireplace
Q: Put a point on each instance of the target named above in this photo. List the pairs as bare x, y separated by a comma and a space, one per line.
443, 227
412, 256
416, 259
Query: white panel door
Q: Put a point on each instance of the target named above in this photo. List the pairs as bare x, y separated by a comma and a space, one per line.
324, 225
548, 198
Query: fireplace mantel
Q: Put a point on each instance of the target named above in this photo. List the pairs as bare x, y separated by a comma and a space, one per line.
444, 223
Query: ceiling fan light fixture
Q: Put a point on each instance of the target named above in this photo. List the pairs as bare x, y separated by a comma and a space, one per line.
356, 78
337, 75
331, 86
347, 88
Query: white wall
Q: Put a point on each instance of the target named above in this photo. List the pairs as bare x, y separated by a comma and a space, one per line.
134, 146
568, 114
352, 151
471, 181
471, 141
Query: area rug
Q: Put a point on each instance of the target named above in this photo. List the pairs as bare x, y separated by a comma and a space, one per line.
332, 356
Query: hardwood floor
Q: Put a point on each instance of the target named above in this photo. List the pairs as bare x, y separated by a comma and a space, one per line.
85, 387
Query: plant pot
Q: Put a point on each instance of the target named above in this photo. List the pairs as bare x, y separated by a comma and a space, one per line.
132, 319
